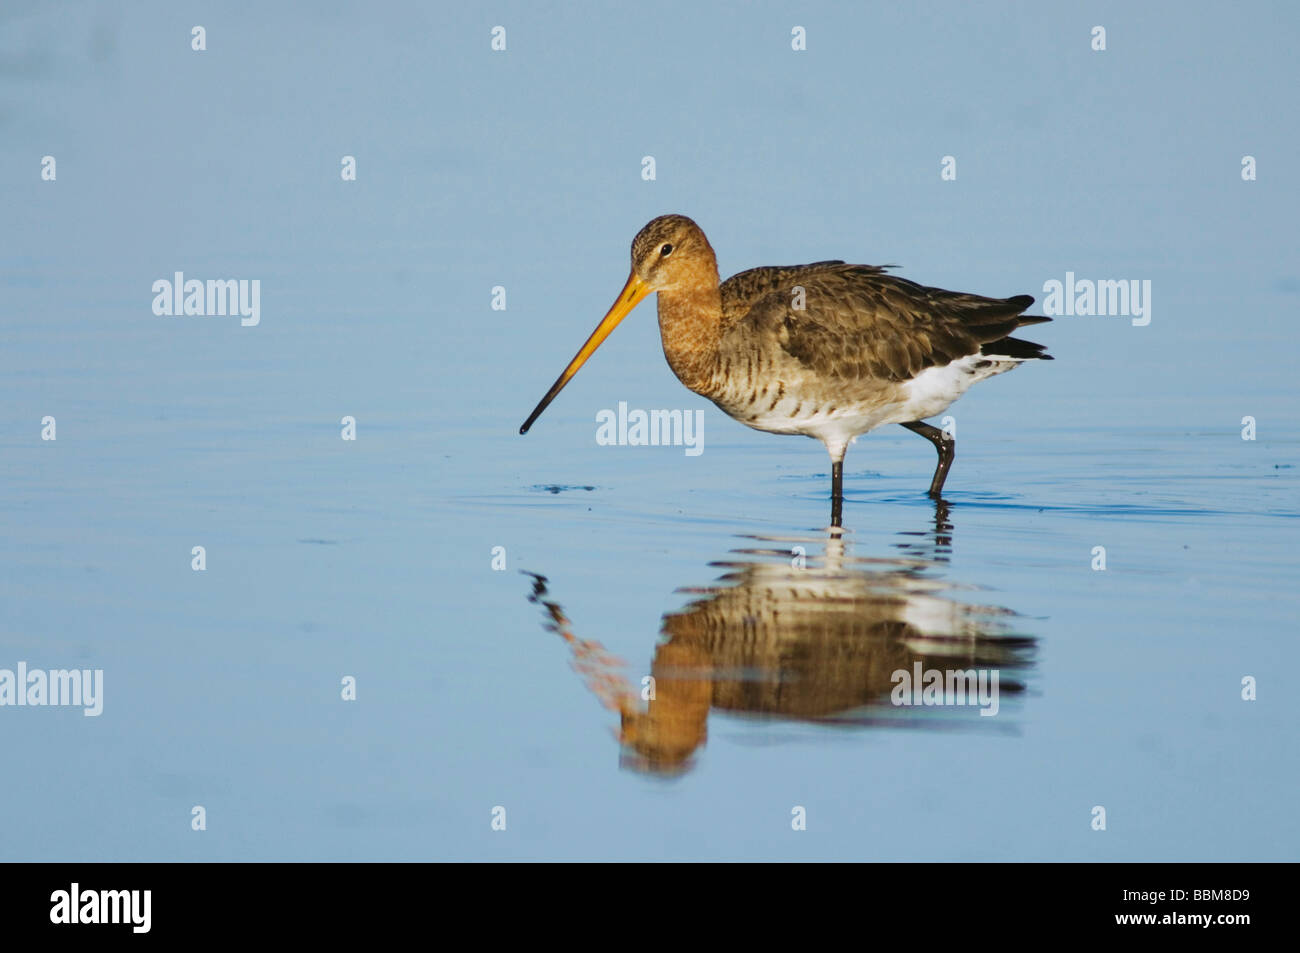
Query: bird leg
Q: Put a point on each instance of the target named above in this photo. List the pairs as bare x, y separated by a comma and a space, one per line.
837, 491
947, 448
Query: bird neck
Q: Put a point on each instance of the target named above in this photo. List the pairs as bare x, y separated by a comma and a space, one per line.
690, 326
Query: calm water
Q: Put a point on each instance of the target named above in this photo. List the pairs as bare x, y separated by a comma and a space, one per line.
505, 677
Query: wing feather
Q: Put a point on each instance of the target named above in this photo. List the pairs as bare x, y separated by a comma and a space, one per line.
858, 321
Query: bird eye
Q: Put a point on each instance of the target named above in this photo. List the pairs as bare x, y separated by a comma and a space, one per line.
666, 251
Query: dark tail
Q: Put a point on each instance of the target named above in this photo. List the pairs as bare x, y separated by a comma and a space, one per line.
991, 320
1017, 349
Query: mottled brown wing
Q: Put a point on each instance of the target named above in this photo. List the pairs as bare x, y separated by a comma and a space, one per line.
743, 290
859, 322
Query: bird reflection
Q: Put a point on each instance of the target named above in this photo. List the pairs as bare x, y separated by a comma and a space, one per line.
799, 629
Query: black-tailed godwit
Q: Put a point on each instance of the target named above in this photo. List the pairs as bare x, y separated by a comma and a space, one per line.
828, 350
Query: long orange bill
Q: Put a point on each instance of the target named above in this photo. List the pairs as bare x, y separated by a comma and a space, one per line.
628, 298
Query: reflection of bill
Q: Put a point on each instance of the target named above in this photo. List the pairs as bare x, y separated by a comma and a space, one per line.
821, 643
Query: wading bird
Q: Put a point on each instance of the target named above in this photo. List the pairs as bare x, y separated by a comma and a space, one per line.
827, 350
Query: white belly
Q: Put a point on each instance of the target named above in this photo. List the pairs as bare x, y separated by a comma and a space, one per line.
928, 394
